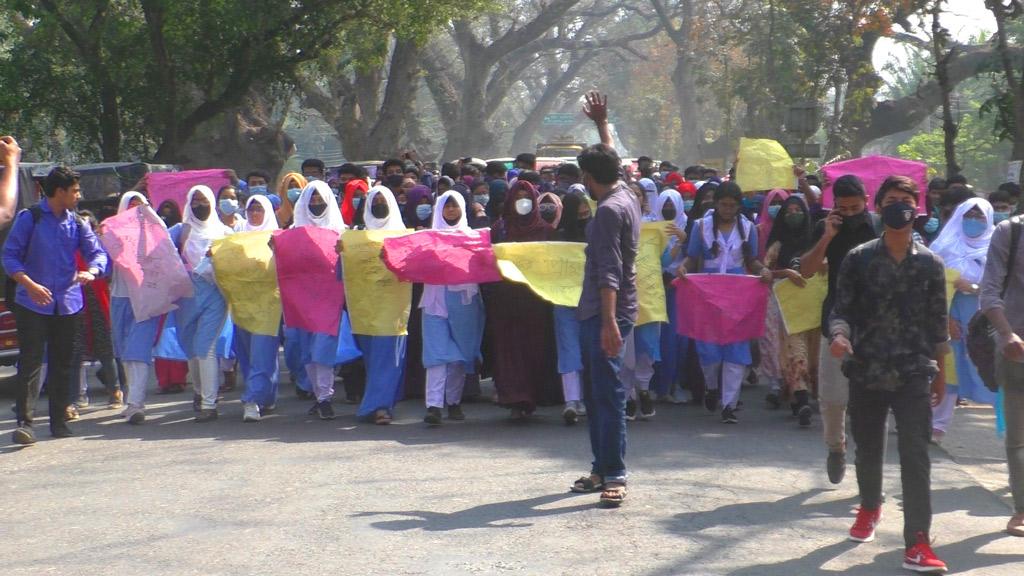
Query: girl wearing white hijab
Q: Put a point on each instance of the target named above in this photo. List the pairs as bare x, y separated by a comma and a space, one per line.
257, 353
963, 246
133, 341
384, 356
453, 326
202, 318
318, 207
670, 206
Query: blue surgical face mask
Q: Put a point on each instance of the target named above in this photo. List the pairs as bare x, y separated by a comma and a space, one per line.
749, 203
931, 226
293, 194
258, 190
481, 199
974, 228
423, 211
773, 211
687, 205
998, 217
228, 206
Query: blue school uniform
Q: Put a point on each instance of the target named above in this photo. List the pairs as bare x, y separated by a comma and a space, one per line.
456, 338
133, 341
969, 383
567, 339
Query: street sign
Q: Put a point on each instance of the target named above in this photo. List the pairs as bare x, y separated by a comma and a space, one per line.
560, 119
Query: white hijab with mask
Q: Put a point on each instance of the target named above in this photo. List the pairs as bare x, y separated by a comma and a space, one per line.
118, 285
958, 250
198, 235
127, 198
269, 218
393, 221
330, 218
433, 300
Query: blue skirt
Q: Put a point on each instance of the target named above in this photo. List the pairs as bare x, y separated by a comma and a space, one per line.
969, 383
384, 357
133, 341
328, 350
167, 347
456, 338
647, 339
201, 319
738, 353
567, 339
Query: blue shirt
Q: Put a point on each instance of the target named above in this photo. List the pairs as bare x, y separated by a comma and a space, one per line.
45, 252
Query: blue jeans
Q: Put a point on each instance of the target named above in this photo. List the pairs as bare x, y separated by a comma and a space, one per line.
605, 399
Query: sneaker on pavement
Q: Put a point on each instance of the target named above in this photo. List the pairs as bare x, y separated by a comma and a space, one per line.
836, 466
197, 402
921, 558
863, 529
646, 405
268, 409
71, 413
207, 415
729, 416
134, 415
711, 400
433, 417
804, 414
455, 412
251, 412
23, 435
630, 410
569, 414
324, 410
773, 401
581, 408
81, 403
116, 401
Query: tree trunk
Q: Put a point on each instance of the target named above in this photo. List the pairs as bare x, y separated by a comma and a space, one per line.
686, 99
383, 138
522, 140
950, 128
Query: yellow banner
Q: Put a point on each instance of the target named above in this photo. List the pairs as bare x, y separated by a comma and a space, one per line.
801, 307
649, 285
378, 303
245, 272
553, 270
764, 165
951, 277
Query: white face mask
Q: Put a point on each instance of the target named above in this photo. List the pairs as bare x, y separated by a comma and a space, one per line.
524, 206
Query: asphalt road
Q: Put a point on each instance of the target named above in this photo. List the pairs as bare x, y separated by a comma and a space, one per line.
293, 495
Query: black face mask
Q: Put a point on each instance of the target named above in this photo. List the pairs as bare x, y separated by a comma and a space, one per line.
668, 214
317, 209
898, 216
201, 212
452, 221
379, 210
855, 221
548, 212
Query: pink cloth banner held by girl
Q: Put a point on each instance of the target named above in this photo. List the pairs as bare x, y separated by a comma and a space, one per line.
873, 170
443, 257
721, 308
174, 186
307, 271
145, 258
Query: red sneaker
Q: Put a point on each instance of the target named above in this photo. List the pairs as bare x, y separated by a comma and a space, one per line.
863, 529
920, 557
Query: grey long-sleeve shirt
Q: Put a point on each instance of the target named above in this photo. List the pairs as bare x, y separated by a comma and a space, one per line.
995, 274
613, 238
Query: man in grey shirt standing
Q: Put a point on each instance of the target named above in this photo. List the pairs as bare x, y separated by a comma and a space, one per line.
1002, 300
608, 307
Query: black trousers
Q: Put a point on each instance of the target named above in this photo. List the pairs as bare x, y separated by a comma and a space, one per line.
911, 405
54, 335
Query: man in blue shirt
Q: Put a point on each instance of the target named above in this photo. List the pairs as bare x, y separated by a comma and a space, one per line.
40, 256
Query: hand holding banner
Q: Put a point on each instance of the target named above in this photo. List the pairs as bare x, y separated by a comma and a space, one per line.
443, 257
721, 308
307, 268
378, 302
244, 267
801, 307
649, 284
553, 270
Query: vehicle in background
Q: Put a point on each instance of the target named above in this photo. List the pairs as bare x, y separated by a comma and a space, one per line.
104, 183
561, 146
370, 166
542, 161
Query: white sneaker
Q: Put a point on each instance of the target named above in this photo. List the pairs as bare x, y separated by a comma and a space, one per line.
581, 408
252, 412
134, 414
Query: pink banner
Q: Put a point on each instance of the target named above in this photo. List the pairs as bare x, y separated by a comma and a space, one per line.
873, 170
721, 308
307, 271
174, 186
146, 259
443, 257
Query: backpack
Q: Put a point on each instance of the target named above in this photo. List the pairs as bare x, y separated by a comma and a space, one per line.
10, 286
981, 336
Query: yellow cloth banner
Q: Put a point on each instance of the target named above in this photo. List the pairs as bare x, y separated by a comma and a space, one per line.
649, 285
244, 267
801, 307
378, 303
764, 165
951, 277
553, 270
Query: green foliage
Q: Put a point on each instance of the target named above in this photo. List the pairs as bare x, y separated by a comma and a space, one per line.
982, 157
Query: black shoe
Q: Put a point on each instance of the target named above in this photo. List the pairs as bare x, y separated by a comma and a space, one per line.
570, 415
773, 400
24, 436
455, 412
630, 410
711, 400
197, 402
302, 394
61, 431
207, 415
433, 416
804, 414
646, 405
729, 416
324, 410
836, 466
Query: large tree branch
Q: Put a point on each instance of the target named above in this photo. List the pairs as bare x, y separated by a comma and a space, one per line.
535, 28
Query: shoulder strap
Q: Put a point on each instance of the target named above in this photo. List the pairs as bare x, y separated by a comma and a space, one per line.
1015, 231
